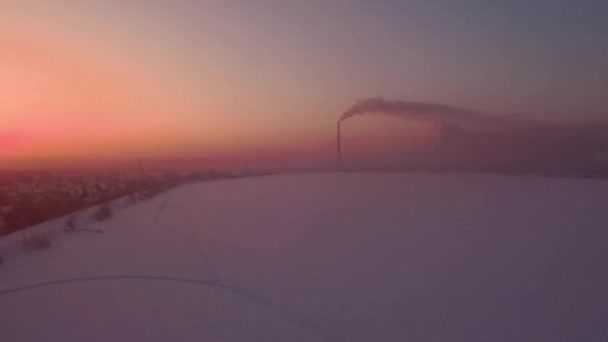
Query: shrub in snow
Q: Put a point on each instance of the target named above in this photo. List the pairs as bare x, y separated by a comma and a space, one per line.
35, 242
98, 231
71, 223
131, 199
142, 196
104, 212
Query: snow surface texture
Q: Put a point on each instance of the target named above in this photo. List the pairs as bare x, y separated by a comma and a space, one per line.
327, 257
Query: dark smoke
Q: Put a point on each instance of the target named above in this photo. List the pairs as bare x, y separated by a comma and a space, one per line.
448, 119
467, 138
416, 110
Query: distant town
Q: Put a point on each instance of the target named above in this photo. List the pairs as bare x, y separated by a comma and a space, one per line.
31, 197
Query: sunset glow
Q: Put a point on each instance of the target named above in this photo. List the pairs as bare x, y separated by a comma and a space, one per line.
118, 80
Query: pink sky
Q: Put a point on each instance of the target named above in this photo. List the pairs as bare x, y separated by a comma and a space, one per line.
74, 85
124, 80
75, 89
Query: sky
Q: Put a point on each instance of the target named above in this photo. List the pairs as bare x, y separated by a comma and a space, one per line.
247, 80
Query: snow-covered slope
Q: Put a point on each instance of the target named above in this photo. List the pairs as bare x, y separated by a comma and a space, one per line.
336, 257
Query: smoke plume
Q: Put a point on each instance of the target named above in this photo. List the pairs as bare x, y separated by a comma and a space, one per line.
467, 138
448, 119
439, 113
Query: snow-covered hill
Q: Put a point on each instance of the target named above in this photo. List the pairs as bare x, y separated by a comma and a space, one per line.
329, 257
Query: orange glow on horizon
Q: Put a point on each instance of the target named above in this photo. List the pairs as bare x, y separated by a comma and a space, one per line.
70, 101
89, 90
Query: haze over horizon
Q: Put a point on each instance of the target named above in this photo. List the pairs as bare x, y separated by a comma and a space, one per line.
116, 81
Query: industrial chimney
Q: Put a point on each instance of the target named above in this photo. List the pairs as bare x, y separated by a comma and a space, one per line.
339, 144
